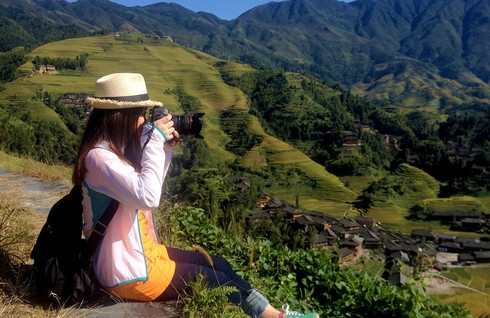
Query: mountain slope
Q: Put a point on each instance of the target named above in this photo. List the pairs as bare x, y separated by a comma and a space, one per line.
359, 44
169, 68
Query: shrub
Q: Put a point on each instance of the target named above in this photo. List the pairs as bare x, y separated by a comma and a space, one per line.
16, 238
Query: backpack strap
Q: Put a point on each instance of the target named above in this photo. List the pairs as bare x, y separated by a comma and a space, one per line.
100, 227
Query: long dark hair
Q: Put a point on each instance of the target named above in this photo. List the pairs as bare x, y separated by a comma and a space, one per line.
119, 127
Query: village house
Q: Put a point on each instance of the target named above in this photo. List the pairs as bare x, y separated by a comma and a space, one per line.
482, 257
449, 247
371, 237
269, 203
291, 212
466, 259
473, 245
350, 225
345, 254
72, 99
304, 223
451, 147
396, 276
447, 217
42, 69
397, 267
326, 238
362, 220
316, 135
424, 235
444, 237
259, 216
366, 128
241, 183
351, 140
456, 152
413, 160
399, 242
399, 256
476, 169
341, 231
354, 243
322, 220
387, 142
472, 224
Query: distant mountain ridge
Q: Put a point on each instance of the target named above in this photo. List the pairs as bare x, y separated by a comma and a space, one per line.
410, 53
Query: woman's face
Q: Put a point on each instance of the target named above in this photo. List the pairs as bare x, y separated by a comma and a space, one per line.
141, 121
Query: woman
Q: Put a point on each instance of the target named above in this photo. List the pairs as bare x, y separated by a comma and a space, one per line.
121, 156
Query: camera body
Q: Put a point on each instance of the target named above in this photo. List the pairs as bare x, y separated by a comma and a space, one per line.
190, 125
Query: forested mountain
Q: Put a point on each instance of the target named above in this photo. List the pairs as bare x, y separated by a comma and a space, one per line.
409, 53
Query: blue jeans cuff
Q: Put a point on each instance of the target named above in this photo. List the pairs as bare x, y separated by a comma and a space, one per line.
255, 304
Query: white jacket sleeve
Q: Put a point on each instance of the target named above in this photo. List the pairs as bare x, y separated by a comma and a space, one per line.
108, 174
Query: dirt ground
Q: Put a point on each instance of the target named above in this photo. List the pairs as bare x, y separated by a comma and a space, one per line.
438, 284
435, 283
31, 192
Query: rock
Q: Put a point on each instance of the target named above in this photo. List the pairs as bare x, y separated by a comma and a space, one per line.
108, 307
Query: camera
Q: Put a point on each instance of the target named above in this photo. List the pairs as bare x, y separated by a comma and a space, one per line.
189, 125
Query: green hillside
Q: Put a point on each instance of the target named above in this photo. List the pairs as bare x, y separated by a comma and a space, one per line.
168, 67
405, 188
280, 168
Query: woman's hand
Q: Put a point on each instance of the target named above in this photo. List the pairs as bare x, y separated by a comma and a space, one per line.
175, 141
166, 125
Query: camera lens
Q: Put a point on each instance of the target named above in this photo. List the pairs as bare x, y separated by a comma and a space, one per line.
187, 124
182, 123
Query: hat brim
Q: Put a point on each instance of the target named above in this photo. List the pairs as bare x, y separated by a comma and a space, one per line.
106, 103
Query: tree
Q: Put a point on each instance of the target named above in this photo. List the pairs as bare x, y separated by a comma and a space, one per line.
419, 212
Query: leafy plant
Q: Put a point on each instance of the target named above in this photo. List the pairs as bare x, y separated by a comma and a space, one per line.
202, 302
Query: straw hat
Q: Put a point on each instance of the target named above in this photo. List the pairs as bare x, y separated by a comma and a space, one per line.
121, 90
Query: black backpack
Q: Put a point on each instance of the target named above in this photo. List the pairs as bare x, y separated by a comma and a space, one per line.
62, 258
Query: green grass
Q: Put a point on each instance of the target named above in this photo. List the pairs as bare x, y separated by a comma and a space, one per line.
29, 167
460, 203
405, 188
395, 219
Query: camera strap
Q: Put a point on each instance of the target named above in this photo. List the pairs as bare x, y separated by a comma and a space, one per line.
149, 134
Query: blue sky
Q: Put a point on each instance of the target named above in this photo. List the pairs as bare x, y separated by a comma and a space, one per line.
224, 9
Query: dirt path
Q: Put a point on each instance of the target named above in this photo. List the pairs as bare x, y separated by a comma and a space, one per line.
34, 194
